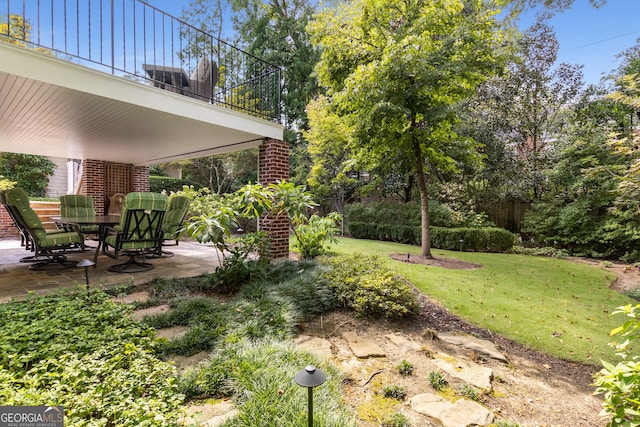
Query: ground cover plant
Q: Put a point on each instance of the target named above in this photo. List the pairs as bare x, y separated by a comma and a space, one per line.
552, 305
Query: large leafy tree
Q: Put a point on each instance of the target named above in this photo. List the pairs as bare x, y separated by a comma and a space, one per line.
396, 68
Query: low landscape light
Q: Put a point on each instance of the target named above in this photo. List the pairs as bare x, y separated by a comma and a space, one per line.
86, 264
310, 377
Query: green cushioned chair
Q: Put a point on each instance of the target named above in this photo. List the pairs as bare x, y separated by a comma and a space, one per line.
49, 244
173, 217
79, 205
139, 232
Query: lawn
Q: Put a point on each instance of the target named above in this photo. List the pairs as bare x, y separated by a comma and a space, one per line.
556, 306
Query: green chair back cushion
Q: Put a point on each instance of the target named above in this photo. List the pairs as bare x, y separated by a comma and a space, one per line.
178, 207
140, 223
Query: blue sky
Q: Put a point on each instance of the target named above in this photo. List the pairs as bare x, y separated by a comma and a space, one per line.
593, 37
589, 36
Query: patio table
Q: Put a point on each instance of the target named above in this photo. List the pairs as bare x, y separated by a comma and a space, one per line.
102, 221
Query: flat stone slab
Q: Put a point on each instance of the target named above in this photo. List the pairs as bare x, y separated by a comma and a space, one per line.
188, 362
171, 332
314, 345
461, 413
362, 347
210, 415
472, 343
140, 314
403, 343
131, 298
469, 372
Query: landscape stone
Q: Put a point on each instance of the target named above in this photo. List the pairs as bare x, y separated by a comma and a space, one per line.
131, 298
461, 413
171, 332
403, 343
187, 362
362, 347
467, 371
472, 343
140, 314
315, 345
211, 415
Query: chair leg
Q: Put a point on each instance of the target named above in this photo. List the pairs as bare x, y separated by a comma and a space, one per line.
53, 262
131, 266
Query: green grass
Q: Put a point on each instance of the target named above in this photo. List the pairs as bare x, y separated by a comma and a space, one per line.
556, 306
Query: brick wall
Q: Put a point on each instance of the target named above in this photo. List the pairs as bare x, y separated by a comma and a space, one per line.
7, 230
92, 183
140, 178
273, 167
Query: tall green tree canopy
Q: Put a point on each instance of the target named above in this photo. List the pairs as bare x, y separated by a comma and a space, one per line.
396, 68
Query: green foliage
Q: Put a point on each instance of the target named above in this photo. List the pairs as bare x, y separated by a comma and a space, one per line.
405, 368
6, 184
391, 212
437, 380
28, 171
395, 420
166, 184
474, 239
541, 251
620, 383
371, 289
469, 392
85, 353
394, 392
312, 238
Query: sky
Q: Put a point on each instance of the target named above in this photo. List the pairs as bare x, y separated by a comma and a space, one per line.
587, 35
594, 36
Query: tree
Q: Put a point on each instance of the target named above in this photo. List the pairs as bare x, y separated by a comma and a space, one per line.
223, 173
29, 171
395, 70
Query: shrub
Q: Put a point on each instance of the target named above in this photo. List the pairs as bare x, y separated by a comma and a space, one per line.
437, 380
620, 383
395, 420
312, 237
394, 392
31, 172
364, 284
166, 184
405, 368
469, 392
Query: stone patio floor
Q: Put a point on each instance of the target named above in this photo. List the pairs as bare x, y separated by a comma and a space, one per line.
16, 280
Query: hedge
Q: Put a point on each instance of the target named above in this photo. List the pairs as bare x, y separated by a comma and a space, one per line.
158, 184
488, 239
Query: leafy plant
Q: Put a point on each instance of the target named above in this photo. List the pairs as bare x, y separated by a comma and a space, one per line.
437, 380
395, 420
394, 392
363, 283
470, 392
405, 368
31, 172
312, 238
620, 383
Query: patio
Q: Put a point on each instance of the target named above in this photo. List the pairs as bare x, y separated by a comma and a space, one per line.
16, 280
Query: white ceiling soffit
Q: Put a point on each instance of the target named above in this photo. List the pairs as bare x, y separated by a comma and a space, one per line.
57, 108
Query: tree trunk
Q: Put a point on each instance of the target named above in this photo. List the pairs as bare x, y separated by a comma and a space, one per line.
425, 242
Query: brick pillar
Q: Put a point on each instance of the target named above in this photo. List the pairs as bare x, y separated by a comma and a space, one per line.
92, 183
7, 229
140, 178
273, 167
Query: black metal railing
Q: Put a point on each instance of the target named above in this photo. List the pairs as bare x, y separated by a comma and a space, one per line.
135, 40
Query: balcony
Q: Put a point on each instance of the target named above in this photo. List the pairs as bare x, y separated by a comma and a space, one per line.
122, 81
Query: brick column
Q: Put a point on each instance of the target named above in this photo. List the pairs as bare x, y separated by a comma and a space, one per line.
92, 183
273, 167
7, 229
140, 178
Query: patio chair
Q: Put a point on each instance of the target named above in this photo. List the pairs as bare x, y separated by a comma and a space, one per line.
48, 246
173, 217
203, 79
79, 206
139, 232
24, 238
